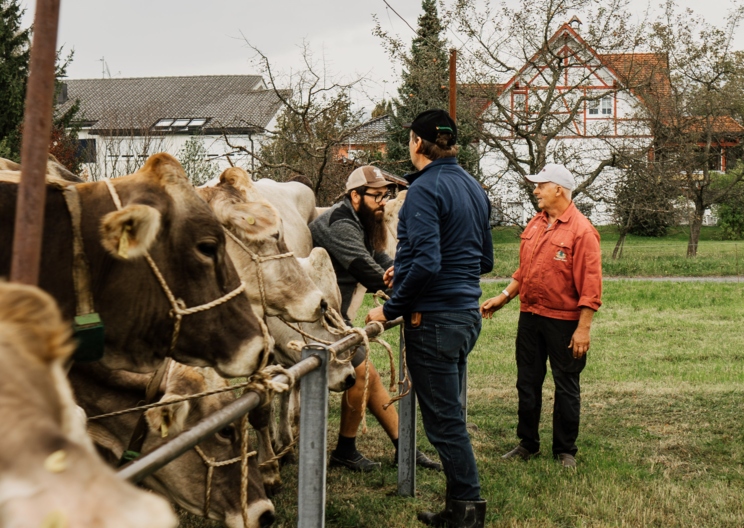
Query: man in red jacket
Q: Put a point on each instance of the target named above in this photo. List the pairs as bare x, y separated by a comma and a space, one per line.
559, 283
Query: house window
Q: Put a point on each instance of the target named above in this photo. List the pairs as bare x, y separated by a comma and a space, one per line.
603, 106
86, 150
520, 101
181, 122
607, 106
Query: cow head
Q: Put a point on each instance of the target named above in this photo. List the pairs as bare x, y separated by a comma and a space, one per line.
184, 481
284, 289
51, 476
163, 216
319, 268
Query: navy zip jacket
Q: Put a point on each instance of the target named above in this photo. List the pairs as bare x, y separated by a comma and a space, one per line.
444, 242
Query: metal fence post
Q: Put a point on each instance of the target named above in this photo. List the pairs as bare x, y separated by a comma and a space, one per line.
406, 435
311, 491
464, 395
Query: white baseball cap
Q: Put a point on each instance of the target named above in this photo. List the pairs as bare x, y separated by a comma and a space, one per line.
555, 173
367, 176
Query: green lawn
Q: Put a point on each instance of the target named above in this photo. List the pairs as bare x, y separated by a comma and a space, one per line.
642, 256
662, 435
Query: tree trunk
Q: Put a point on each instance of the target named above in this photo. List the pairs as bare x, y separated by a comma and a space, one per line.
695, 225
618, 251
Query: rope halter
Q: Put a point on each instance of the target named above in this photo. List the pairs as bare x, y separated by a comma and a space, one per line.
258, 259
178, 307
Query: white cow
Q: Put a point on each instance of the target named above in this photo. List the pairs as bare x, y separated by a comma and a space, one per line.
50, 474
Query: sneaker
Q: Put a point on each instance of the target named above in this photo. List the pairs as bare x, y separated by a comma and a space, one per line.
425, 462
422, 461
520, 452
567, 460
356, 462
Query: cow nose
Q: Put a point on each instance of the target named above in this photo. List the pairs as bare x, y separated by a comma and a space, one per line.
323, 306
267, 519
350, 381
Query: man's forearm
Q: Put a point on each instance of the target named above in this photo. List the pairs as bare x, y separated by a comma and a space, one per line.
585, 318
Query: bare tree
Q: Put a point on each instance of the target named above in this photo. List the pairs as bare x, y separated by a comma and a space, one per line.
123, 143
694, 126
316, 118
551, 88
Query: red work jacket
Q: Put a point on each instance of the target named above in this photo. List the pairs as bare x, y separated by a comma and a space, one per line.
560, 267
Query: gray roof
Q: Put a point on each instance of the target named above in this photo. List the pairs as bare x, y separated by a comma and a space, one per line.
373, 131
237, 103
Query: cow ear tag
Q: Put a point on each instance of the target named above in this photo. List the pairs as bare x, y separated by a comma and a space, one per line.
88, 332
163, 430
250, 220
124, 243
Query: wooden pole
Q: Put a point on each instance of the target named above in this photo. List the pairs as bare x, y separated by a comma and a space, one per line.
37, 129
453, 84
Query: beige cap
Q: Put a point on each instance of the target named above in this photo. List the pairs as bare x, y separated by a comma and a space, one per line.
555, 173
366, 176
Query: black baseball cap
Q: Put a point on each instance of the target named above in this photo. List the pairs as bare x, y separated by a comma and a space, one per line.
430, 123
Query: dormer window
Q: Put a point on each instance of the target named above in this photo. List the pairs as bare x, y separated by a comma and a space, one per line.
180, 123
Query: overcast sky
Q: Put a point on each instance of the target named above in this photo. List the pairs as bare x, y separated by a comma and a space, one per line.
147, 38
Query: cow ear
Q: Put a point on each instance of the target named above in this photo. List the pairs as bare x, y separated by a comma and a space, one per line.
166, 168
239, 179
168, 420
130, 232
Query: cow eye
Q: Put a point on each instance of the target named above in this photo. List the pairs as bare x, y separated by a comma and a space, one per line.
227, 432
276, 235
208, 249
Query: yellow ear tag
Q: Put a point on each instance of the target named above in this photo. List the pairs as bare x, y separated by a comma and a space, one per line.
163, 429
124, 243
250, 220
55, 519
56, 462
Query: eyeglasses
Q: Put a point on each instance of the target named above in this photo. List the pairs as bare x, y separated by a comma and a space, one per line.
379, 198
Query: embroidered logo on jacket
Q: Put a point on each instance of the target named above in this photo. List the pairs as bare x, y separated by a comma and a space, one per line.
560, 256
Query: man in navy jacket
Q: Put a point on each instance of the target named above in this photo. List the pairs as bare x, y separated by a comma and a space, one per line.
444, 246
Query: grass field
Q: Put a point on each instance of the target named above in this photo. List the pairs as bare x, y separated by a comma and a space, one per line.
643, 256
662, 434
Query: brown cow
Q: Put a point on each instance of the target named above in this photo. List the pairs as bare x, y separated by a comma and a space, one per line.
184, 481
49, 473
163, 215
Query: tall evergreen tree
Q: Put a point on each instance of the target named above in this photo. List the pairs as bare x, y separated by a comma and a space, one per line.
425, 85
15, 45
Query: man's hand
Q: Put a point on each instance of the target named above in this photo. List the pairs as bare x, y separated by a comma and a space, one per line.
375, 314
580, 341
387, 278
492, 305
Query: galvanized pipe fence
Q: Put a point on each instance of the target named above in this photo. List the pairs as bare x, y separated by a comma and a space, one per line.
313, 435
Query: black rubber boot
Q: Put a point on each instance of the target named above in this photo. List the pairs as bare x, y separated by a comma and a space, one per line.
436, 519
467, 514
457, 514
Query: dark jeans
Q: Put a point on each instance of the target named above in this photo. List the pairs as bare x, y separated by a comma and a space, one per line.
437, 354
539, 339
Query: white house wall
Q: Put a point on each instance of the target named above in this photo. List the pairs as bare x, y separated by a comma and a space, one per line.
120, 155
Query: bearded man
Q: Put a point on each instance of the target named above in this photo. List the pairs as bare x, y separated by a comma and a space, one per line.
353, 233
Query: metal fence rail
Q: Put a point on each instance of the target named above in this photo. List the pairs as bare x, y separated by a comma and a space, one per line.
313, 429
